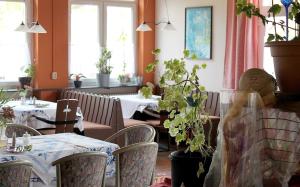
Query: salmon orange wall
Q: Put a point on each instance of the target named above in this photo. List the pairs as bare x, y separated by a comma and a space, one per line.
51, 49
146, 40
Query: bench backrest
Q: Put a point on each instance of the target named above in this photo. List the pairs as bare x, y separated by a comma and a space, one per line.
98, 108
212, 103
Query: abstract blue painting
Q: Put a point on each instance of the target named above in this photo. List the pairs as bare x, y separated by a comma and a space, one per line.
198, 31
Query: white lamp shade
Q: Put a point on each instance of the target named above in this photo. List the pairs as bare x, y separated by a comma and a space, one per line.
169, 27
144, 27
22, 28
37, 28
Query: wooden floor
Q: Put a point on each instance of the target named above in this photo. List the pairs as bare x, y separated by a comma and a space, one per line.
163, 164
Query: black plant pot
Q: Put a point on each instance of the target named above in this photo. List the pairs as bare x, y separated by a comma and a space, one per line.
77, 84
184, 167
24, 81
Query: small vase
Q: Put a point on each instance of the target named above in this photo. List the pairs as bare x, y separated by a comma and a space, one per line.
3, 138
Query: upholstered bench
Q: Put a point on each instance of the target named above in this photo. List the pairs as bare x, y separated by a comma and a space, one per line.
102, 115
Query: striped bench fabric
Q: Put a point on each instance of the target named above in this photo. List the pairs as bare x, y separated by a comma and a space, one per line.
102, 114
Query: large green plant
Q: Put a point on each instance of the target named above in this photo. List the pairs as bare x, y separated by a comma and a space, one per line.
183, 100
103, 62
292, 12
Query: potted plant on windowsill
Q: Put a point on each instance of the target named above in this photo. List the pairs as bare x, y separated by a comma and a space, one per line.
29, 72
104, 68
183, 100
285, 53
77, 81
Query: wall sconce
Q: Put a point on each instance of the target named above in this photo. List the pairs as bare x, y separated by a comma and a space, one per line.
144, 27
35, 28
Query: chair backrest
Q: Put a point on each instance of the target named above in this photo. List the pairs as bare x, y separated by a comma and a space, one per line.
66, 111
20, 130
133, 134
15, 173
81, 169
135, 164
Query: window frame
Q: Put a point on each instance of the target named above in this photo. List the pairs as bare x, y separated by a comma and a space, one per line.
7, 85
102, 5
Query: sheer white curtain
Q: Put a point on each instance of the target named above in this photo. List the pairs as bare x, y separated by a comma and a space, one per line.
29, 19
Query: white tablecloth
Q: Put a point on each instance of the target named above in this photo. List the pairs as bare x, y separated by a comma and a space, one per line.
43, 109
48, 148
132, 103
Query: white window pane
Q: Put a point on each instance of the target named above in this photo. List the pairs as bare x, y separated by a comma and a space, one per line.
13, 45
120, 39
269, 2
85, 43
269, 29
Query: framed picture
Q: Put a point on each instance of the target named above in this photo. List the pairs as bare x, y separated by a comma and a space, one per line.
198, 31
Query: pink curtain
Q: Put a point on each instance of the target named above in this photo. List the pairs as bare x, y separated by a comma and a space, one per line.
244, 44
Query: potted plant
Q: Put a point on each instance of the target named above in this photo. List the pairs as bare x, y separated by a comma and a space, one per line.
286, 56
29, 72
104, 68
77, 77
183, 100
124, 78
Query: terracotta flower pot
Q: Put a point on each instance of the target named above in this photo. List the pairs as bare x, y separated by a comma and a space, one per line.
286, 58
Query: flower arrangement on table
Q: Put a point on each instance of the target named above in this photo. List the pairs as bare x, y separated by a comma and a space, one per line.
6, 113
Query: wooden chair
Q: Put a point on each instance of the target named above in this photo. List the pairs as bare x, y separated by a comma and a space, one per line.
81, 169
20, 130
132, 135
65, 117
15, 173
135, 164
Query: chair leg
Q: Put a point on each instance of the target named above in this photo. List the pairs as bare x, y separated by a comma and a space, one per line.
157, 135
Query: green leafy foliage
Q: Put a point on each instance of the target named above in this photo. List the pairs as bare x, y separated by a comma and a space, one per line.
146, 91
103, 62
249, 9
183, 100
30, 70
3, 97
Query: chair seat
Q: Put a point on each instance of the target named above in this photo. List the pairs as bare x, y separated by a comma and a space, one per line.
96, 130
132, 122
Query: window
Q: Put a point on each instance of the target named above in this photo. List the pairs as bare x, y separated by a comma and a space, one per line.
110, 24
269, 28
13, 45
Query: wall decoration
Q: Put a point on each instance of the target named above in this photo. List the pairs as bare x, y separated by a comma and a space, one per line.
198, 31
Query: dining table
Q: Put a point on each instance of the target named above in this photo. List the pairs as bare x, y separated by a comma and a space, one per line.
48, 148
25, 110
130, 103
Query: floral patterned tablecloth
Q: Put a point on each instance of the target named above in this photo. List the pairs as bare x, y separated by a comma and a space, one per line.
44, 109
48, 148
